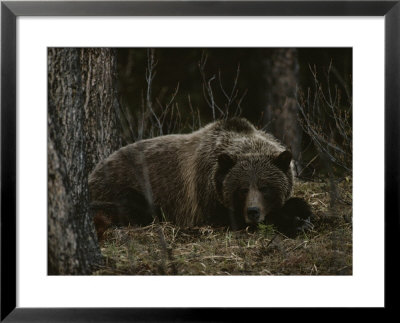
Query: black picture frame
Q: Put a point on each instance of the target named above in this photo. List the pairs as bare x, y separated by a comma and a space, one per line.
10, 10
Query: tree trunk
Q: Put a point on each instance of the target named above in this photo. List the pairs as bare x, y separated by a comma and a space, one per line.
281, 110
102, 128
82, 129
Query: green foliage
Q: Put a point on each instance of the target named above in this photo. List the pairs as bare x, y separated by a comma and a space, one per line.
266, 230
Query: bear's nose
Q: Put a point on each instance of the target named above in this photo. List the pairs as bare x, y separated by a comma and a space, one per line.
253, 213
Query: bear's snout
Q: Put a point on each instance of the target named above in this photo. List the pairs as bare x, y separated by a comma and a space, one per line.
254, 210
253, 214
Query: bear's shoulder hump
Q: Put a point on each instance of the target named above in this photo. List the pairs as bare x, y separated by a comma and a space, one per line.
239, 125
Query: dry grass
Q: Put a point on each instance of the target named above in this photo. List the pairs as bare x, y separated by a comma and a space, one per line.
327, 250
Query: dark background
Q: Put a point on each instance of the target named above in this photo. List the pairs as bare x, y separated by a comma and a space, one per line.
180, 65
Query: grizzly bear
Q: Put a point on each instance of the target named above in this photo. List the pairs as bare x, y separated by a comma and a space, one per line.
227, 173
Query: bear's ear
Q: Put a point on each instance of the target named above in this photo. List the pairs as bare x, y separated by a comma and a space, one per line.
283, 160
225, 163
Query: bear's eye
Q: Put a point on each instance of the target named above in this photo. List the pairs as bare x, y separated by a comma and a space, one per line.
265, 190
243, 191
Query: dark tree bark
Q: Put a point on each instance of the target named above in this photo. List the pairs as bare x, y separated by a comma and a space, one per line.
281, 79
101, 126
82, 129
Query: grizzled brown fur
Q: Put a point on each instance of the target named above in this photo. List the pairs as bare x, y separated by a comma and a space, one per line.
226, 173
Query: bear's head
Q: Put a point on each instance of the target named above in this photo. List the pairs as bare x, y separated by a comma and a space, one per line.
252, 186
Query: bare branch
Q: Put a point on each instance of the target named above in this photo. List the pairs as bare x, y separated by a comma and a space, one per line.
327, 121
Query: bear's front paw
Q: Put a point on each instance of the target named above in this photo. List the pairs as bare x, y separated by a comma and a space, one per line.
294, 217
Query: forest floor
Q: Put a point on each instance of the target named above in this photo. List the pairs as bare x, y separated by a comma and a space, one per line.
165, 249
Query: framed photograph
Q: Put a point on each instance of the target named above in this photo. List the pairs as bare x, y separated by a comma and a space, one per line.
167, 160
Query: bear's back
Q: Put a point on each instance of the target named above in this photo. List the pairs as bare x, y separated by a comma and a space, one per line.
238, 136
